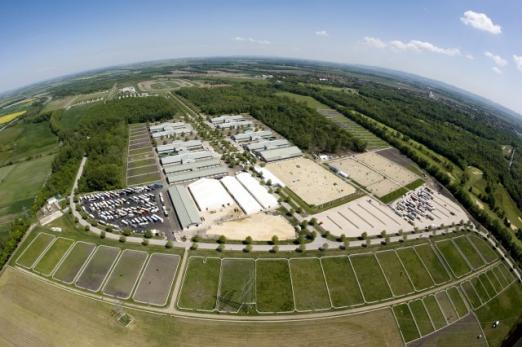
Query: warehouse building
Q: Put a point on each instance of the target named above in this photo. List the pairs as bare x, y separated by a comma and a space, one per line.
187, 176
250, 135
280, 153
184, 206
189, 157
244, 199
265, 145
260, 193
231, 122
180, 146
209, 194
168, 129
194, 166
226, 118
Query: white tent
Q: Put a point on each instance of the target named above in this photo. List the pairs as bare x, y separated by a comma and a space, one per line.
209, 194
260, 193
247, 203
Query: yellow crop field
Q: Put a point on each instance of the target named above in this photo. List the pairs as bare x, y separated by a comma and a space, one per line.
9, 117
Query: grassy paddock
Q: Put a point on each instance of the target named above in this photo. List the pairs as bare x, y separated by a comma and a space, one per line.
273, 286
421, 317
237, 284
35, 249
433, 264
453, 258
419, 276
457, 300
484, 248
447, 307
469, 251
73, 262
406, 322
125, 274
98, 268
395, 273
200, 284
471, 294
52, 257
309, 284
341, 280
370, 277
434, 311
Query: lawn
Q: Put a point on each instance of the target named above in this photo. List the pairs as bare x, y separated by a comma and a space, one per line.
309, 284
490, 274
73, 263
481, 290
406, 323
370, 277
484, 248
98, 268
447, 307
457, 300
394, 271
433, 263
273, 286
125, 274
200, 284
34, 250
471, 294
52, 257
454, 259
421, 317
487, 285
500, 276
469, 251
237, 284
419, 275
434, 311
341, 280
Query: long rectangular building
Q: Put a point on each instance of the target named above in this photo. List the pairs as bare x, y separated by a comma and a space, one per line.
216, 171
183, 158
184, 206
264, 145
280, 153
260, 193
178, 146
226, 118
197, 165
252, 136
248, 204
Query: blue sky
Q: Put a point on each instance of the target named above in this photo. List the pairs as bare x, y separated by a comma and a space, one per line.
475, 45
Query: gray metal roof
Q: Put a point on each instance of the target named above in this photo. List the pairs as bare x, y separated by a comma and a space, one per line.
197, 165
247, 135
179, 177
264, 145
280, 153
178, 145
184, 205
226, 118
186, 157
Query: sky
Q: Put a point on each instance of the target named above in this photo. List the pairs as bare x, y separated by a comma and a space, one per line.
475, 45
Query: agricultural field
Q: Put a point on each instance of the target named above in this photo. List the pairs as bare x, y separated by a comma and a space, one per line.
141, 162
7, 118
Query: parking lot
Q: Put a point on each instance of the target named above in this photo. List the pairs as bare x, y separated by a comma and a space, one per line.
136, 208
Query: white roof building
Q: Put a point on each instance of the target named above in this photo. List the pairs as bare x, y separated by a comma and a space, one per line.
268, 175
210, 194
260, 193
248, 204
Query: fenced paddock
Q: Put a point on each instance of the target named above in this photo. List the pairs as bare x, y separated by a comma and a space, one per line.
99, 265
72, 264
35, 249
157, 279
274, 291
341, 281
308, 282
419, 276
370, 277
200, 284
237, 284
125, 274
52, 257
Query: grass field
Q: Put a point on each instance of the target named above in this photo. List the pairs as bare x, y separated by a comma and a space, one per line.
454, 259
487, 285
6, 118
434, 311
273, 286
419, 276
73, 263
308, 100
142, 162
309, 284
458, 301
447, 307
421, 317
394, 271
98, 268
497, 285
52, 257
433, 264
125, 274
480, 289
148, 178
484, 248
37, 247
469, 251
471, 294
341, 280
406, 322
370, 277
500, 276
201, 284
237, 284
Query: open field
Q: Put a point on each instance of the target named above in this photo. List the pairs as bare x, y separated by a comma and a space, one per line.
308, 100
309, 284
418, 274
447, 307
370, 277
433, 263
237, 284
484, 248
433, 308
201, 284
469, 251
453, 258
52, 257
480, 289
74, 261
470, 294
35, 313
406, 322
35, 249
394, 271
97, 269
310, 181
458, 301
157, 279
418, 310
125, 274
341, 281
273, 286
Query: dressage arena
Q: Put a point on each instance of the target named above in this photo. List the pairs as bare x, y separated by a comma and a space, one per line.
310, 181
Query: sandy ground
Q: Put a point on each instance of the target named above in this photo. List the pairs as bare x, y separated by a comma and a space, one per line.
260, 227
380, 164
313, 183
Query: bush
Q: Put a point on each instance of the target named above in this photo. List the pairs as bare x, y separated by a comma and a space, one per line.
126, 232
247, 249
102, 235
76, 220
248, 240
148, 234
87, 228
275, 240
123, 239
169, 244
194, 246
109, 229
275, 249
195, 238
145, 242
220, 247
324, 247
222, 239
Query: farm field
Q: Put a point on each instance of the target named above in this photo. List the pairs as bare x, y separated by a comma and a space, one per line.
125, 274
201, 284
237, 284
156, 282
6, 118
394, 271
73, 262
418, 274
35, 249
52, 257
273, 286
309, 284
97, 269
433, 263
370, 277
341, 281
457, 263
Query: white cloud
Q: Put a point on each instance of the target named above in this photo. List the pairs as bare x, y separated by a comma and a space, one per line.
322, 33
518, 61
249, 39
480, 21
497, 70
422, 46
499, 61
374, 42
470, 56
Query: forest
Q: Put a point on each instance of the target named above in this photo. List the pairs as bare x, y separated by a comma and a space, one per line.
303, 126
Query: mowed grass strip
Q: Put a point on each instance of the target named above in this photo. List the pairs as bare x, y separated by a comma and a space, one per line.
487, 285
273, 286
406, 323
341, 280
484, 248
34, 250
433, 263
53, 255
471, 294
395, 273
419, 275
97, 269
454, 259
370, 277
457, 300
125, 274
156, 282
421, 317
447, 307
494, 281
200, 284
309, 284
507, 273
500, 276
73, 263
479, 288
437, 317
469, 251
237, 284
